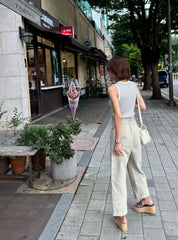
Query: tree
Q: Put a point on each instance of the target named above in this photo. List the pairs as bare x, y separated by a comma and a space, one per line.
147, 24
133, 55
121, 34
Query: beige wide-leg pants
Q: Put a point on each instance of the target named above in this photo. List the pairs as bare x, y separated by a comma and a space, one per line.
131, 160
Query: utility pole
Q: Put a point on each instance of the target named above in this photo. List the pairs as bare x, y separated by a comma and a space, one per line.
171, 101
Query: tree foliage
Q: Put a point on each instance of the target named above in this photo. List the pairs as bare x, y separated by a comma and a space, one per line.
148, 25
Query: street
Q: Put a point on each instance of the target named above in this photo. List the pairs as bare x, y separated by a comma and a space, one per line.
165, 91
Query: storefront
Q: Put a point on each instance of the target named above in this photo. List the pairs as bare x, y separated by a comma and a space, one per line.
52, 64
41, 69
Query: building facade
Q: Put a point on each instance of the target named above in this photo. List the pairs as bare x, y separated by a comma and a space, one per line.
44, 45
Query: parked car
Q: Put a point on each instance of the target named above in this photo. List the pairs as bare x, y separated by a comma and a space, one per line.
163, 77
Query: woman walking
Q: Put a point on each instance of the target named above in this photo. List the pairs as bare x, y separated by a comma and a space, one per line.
125, 144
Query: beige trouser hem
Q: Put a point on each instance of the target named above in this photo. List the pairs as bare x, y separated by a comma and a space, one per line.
131, 160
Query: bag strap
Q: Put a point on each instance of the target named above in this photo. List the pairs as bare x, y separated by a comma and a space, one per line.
139, 111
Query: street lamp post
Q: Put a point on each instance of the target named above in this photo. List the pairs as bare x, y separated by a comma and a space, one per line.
171, 101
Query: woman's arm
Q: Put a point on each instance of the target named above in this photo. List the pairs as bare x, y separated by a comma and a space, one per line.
114, 95
141, 101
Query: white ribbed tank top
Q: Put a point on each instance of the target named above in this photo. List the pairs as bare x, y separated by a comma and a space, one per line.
127, 97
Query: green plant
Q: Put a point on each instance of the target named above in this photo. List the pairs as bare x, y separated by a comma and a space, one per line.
60, 139
74, 125
33, 136
16, 120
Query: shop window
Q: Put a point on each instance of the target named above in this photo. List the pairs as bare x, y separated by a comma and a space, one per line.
49, 74
68, 68
32, 80
45, 41
42, 66
55, 67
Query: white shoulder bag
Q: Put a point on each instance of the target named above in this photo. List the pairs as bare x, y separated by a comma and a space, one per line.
143, 131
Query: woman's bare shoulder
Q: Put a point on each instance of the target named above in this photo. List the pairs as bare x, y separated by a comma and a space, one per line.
112, 88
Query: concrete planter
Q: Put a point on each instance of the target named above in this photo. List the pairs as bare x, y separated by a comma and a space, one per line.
65, 170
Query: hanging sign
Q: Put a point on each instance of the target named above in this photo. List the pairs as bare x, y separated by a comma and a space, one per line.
69, 31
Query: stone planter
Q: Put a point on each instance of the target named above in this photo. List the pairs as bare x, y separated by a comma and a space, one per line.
65, 170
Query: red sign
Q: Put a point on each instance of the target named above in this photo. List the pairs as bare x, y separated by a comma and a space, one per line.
69, 31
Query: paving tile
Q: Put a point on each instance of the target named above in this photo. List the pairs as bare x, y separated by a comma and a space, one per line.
68, 233
104, 174
171, 237
96, 205
150, 221
175, 191
171, 228
162, 187
90, 229
94, 216
74, 220
165, 205
108, 208
135, 227
92, 170
98, 195
110, 233
100, 187
109, 198
158, 173
170, 216
77, 207
108, 221
133, 216
154, 234
87, 182
88, 238
81, 198
94, 164
84, 189
164, 196
132, 237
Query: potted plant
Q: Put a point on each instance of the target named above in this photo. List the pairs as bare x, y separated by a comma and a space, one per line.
35, 137
58, 148
17, 163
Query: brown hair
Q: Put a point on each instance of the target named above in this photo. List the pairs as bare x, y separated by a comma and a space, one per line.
120, 67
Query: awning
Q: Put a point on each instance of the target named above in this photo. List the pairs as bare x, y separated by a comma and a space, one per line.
72, 44
66, 41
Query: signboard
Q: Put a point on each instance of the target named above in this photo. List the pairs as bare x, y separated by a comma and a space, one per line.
48, 23
24, 9
73, 95
69, 31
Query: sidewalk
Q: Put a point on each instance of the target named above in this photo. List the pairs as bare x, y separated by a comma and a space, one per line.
90, 214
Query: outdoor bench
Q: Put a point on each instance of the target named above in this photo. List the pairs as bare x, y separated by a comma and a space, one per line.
20, 151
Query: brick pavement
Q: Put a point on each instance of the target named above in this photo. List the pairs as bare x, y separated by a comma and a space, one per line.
89, 216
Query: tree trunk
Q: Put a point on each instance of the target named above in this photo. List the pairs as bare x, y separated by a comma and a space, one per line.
155, 84
147, 82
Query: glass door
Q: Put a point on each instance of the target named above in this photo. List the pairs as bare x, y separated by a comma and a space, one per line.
33, 82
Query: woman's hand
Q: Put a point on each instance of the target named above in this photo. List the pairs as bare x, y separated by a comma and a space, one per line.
118, 149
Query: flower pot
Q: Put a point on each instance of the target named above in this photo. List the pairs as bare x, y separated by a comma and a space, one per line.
18, 164
65, 170
42, 160
4, 164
